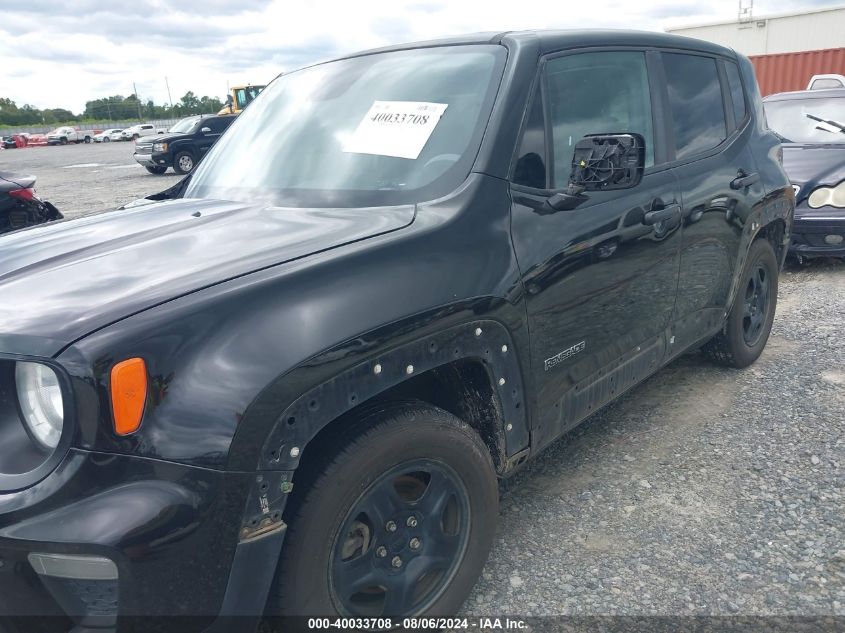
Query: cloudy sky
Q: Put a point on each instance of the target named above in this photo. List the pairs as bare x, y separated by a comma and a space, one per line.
60, 53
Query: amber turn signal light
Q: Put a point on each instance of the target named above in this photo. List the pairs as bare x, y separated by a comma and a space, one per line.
128, 394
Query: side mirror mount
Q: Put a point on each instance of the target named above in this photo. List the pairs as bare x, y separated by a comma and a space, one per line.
608, 161
601, 162
206, 130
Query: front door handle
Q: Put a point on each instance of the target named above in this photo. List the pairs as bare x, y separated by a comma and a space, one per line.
744, 180
661, 215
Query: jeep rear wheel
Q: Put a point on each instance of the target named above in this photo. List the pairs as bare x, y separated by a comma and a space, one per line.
183, 163
398, 523
749, 323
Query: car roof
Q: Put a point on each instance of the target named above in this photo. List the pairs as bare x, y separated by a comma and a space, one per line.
807, 94
552, 40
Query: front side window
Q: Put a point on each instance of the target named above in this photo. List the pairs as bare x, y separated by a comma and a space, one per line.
388, 128
808, 120
695, 101
240, 98
596, 93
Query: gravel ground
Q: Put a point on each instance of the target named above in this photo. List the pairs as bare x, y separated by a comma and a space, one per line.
82, 179
704, 491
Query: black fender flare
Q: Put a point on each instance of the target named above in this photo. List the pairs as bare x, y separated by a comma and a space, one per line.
485, 340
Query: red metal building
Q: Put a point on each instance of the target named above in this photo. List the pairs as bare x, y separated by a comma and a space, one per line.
783, 72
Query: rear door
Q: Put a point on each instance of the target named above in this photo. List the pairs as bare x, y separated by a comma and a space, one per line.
709, 131
600, 278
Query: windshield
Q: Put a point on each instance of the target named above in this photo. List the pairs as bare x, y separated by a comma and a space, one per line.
387, 128
808, 120
185, 125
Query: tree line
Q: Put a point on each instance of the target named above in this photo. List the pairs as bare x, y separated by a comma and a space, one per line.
114, 108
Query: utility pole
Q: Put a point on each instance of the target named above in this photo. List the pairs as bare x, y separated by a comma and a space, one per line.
169, 98
138, 100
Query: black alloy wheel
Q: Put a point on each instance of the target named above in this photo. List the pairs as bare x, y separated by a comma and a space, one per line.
401, 541
755, 305
393, 515
749, 323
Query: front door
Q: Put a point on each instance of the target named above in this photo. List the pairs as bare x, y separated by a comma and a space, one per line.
600, 279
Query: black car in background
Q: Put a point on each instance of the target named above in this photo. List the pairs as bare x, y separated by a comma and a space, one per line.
19, 206
811, 124
183, 145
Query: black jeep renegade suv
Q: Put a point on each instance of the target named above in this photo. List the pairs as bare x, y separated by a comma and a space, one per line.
291, 388
183, 145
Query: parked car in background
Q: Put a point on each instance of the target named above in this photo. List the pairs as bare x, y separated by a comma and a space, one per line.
137, 131
13, 141
19, 206
824, 82
400, 276
183, 145
66, 134
811, 124
112, 134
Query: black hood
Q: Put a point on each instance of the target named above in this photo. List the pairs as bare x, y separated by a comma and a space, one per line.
160, 138
63, 280
815, 164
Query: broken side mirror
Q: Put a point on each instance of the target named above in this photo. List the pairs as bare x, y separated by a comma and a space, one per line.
602, 162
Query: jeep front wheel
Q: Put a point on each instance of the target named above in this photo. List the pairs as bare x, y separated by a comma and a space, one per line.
183, 163
398, 523
158, 170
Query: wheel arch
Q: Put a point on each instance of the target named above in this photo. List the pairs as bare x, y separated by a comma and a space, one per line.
471, 370
775, 233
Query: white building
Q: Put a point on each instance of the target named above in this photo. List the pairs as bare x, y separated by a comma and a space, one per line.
785, 33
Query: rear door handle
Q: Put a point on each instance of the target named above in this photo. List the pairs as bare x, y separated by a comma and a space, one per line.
661, 215
744, 180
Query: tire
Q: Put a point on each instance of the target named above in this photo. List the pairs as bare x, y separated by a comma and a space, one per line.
87, 139
135, 137
63, 141
354, 493
106, 139
158, 171
749, 323
183, 163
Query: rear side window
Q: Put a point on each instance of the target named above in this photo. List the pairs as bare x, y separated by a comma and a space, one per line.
737, 94
695, 100
596, 93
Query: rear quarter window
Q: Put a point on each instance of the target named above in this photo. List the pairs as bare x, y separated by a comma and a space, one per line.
737, 93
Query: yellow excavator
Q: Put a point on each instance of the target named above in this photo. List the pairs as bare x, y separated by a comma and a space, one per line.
240, 97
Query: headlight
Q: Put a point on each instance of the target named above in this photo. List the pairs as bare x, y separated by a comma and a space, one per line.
159, 147
833, 196
40, 400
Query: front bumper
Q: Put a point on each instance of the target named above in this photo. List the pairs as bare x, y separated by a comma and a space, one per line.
155, 159
818, 232
174, 534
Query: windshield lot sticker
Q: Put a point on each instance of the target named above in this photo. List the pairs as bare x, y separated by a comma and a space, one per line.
395, 128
